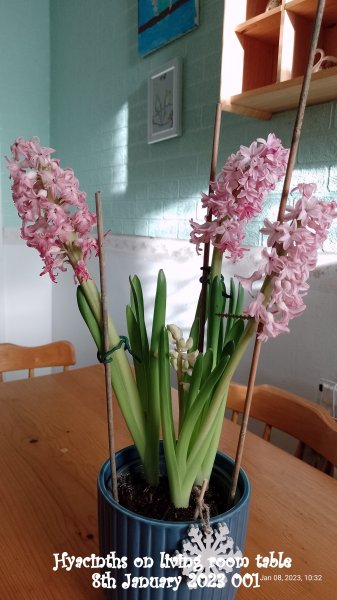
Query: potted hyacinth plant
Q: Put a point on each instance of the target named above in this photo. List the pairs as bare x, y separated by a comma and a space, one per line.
57, 222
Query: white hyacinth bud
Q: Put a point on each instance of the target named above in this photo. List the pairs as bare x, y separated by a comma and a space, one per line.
182, 344
170, 336
192, 357
174, 364
175, 331
185, 365
179, 352
189, 343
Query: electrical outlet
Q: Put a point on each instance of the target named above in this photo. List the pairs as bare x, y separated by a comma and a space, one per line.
327, 396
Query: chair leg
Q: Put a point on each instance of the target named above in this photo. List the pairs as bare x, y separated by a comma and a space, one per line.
267, 433
329, 469
300, 450
235, 415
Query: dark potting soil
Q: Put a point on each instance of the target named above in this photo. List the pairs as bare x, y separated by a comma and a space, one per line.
136, 495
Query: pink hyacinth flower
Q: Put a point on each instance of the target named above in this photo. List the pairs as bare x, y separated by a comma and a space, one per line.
55, 216
293, 253
238, 193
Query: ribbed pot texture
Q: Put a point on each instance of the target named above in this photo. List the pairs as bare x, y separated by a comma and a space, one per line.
131, 535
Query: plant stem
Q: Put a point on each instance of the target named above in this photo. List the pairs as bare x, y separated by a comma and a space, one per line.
217, 407
207, 465
169, 436
180, 390
122, 378
216, 263
153, 416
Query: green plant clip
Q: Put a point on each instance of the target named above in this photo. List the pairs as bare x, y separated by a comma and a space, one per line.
105, 357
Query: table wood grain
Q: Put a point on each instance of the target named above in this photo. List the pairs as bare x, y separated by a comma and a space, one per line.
53, 440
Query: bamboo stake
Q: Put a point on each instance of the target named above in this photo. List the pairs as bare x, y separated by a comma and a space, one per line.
108, 390
212, 176
301, 109
244, 424
285, 192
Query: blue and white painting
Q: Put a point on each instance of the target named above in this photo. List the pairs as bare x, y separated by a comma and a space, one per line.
161, 21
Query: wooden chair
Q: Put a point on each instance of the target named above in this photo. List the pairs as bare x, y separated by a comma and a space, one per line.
16, 358
306, 421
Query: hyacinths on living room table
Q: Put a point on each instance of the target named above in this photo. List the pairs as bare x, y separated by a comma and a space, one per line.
57, 222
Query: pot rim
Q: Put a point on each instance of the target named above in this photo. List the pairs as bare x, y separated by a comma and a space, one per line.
101, 482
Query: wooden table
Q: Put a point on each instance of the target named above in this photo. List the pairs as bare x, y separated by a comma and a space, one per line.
52, 443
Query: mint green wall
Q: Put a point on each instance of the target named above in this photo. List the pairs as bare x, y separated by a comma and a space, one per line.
98, 109
99, 114
24, 81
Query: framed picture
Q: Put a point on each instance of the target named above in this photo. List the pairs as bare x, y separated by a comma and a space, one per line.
164, 102
162, 21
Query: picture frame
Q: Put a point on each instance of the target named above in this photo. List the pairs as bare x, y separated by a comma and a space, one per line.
163, 21
165, 102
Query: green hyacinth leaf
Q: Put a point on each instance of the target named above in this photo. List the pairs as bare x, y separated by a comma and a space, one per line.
140, 366
231, 307
89, 318
236, 332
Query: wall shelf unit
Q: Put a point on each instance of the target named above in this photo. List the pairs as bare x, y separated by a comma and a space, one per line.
265, 54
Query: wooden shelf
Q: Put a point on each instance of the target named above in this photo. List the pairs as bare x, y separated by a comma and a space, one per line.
263, 102
307, 9
265, 56
265, 27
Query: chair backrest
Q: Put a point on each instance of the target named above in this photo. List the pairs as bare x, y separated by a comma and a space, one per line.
17, 358
306, 421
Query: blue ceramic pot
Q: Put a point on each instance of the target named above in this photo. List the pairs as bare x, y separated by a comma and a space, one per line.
133, 536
